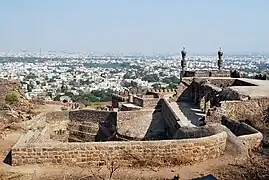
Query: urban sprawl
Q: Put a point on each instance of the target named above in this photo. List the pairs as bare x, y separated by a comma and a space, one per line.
54, 76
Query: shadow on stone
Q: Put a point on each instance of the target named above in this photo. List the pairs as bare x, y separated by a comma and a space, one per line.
8, 159
157, 129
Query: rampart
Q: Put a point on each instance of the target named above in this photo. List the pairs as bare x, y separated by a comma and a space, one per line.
32, 149
131, 153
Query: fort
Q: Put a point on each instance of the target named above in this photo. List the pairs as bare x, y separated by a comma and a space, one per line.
207, 115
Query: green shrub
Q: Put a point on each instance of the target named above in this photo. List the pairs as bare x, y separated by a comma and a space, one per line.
12, 98
63, 108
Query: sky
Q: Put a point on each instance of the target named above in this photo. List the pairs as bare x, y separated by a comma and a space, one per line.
128, 26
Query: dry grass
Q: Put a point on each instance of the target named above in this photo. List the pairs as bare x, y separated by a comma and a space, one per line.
5, 175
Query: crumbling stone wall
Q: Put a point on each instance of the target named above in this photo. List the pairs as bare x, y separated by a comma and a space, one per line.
89, 115
78, 126
116, 99
150, 102
82, 132
134, 124
126, 116
252, 141
58, 122
193, 132
183, 93
138, 101
145, 102
238, 128
250, 137
252, 110
131, 153
91, 120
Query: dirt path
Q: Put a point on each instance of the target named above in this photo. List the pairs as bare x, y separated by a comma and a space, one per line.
186, 172
49, 108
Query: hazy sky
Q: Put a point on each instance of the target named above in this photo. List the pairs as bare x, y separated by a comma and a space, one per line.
134, 25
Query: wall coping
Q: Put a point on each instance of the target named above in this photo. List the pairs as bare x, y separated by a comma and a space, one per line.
206, 139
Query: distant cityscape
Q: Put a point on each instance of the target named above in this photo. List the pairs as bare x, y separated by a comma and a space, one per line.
49, 75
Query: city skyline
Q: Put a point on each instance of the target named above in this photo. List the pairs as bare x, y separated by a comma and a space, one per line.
135, 27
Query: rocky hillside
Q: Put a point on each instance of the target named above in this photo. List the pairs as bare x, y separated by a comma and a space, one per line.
7, 86
14, 107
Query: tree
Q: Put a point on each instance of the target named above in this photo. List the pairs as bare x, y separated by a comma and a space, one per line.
131, 84
172, 86
156, 86
151, 78
30, 76
172, 79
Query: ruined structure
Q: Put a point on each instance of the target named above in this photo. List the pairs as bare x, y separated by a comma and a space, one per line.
157, 127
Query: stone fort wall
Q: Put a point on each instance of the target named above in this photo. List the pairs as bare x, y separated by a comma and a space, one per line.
131, 153
241, 110
250, 137
37, 147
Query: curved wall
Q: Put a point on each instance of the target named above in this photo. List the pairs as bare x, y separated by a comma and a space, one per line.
131, 153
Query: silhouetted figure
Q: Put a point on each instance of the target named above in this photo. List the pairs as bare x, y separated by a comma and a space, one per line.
220, 54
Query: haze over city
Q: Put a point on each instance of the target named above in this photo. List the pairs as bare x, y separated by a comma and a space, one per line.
118, 26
